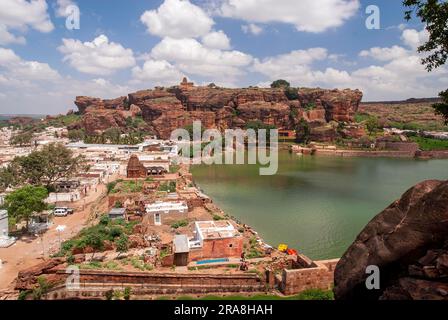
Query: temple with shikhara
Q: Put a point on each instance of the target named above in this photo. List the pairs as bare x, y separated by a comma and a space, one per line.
136, 169
185, 85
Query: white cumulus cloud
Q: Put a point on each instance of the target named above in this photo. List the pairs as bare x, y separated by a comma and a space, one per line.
252, 28
305, 15
177, 19
99, 57
396, 73
18, 70
20, 15
190, 56
384, 54
216, 40
157, 73
414, 38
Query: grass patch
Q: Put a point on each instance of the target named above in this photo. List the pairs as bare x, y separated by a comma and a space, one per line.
217, 217
179, 224
313, 294
95, 236
168, 187
428, 144
127, 187
138, 263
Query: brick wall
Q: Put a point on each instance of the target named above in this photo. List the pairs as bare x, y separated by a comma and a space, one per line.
218, 248
157, 283
299, 280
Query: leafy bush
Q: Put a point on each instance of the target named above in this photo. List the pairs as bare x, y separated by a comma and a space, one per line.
126, 186
310, 106
41, 289
109, 294
428, 144
292, 93
168, 187
111, 186
127, 293
372, 124
122, 243
280, 84
179, 224
95, 236
316, 294
217, 217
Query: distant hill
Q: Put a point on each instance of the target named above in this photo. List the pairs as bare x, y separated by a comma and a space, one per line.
408, 101
11, 116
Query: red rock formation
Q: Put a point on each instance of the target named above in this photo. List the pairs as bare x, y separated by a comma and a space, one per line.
408, 241
168, 109
98, 120
27, 279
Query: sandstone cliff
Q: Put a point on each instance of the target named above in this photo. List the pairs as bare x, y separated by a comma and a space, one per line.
408, 241
167, 109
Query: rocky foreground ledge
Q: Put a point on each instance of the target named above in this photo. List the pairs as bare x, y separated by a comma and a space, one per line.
166, 109
408, 242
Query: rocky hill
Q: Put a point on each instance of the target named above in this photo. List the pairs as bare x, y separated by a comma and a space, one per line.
408, 241
166, 109
410, 114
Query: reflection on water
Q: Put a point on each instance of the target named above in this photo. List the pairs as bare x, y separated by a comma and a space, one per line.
315, 204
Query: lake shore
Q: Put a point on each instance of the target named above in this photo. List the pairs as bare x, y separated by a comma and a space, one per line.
336, 152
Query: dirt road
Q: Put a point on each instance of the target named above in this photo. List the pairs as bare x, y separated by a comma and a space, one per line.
30, 250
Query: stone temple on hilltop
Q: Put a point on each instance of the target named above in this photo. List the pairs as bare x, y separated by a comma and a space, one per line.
185, 85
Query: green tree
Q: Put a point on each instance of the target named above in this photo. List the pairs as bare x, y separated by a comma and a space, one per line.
54, 162
112, 135
292, 93
372, 124
24, 202
434, 14
76, 135
303, 132
10, 176
22, 139
122, 243
258, 125
280, 84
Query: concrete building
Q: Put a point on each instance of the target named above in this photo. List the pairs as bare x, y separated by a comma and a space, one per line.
166, 212
181, 250
117, 213
215, 239
5, 239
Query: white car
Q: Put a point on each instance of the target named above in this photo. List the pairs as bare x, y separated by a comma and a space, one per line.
60, 212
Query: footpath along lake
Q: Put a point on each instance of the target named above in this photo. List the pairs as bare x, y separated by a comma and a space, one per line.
317, 205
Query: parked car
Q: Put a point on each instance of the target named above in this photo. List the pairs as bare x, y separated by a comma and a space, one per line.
60, 212
70, 211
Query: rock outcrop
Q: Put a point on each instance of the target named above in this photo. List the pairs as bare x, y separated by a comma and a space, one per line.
28, 279
167, 109
408, 241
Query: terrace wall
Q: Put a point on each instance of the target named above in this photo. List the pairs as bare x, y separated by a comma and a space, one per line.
299, 280
95, 283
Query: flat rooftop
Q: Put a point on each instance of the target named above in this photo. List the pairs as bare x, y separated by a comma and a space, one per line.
216, 229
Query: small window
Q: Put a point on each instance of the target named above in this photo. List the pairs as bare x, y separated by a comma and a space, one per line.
231, 245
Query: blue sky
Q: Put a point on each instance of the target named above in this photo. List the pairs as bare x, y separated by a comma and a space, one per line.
123, 46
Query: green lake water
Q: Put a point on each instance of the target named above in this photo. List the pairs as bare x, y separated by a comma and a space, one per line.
317, 205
